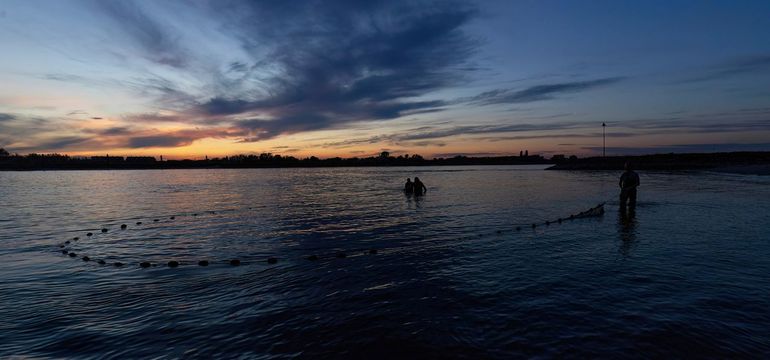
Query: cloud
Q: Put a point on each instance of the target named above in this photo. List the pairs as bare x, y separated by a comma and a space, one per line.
577, 130
160, 141
6, 117
696, 124
738, 66
76, 112
64, 78
559, 136
155, 118
112, 131
62, 142
419, 136
428, 143
238, 67
175, 138
487, 129
538, 92
333, 63
155, 41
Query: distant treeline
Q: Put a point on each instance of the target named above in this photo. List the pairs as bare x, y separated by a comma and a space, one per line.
672, 161
266, 160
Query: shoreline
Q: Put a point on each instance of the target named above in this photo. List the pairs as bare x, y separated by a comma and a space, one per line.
174, 167
747, 163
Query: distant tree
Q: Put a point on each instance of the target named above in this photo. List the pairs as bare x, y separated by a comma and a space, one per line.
4, 152
385, 155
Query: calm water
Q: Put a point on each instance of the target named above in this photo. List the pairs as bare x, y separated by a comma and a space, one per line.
689, 276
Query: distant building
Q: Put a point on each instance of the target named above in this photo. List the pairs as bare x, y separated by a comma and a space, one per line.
107, 159
140, 159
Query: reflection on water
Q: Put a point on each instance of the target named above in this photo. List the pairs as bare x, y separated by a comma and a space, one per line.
686, 275
627, 230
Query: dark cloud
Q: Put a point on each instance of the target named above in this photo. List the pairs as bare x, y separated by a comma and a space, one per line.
160, 141
238, 67
337, 62
175, 138
154, 117
360, 141
739, 66
77, 112
113, 131
260, 129
59, 143
6, 117
538, 92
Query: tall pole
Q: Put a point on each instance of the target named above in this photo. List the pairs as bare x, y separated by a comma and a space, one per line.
604, 141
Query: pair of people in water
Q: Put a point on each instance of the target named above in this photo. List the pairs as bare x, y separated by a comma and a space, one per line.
629, 181
416, 187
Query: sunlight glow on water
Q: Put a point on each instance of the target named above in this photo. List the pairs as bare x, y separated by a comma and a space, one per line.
688, 276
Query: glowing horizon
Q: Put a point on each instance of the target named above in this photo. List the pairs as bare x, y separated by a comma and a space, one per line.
328, 79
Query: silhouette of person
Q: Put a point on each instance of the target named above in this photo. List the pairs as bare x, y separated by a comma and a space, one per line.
419, 187
629, 181
409, 186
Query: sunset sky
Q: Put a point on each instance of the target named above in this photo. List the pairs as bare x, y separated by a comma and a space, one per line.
354, 78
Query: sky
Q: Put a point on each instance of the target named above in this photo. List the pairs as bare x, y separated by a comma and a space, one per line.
188, 79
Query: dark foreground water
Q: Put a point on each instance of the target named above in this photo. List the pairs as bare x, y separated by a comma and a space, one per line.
451, 277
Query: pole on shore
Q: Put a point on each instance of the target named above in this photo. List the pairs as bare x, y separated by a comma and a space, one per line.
604, 141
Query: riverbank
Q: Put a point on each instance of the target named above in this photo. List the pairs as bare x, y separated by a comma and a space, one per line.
65, 162
734, 162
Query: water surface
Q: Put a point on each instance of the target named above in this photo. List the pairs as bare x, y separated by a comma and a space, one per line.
451, 277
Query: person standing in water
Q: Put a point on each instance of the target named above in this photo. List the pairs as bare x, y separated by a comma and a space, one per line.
409, 186
629, 181
419, 187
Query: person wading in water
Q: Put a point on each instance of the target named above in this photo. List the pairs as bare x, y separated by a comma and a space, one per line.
419, 187
629, 181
